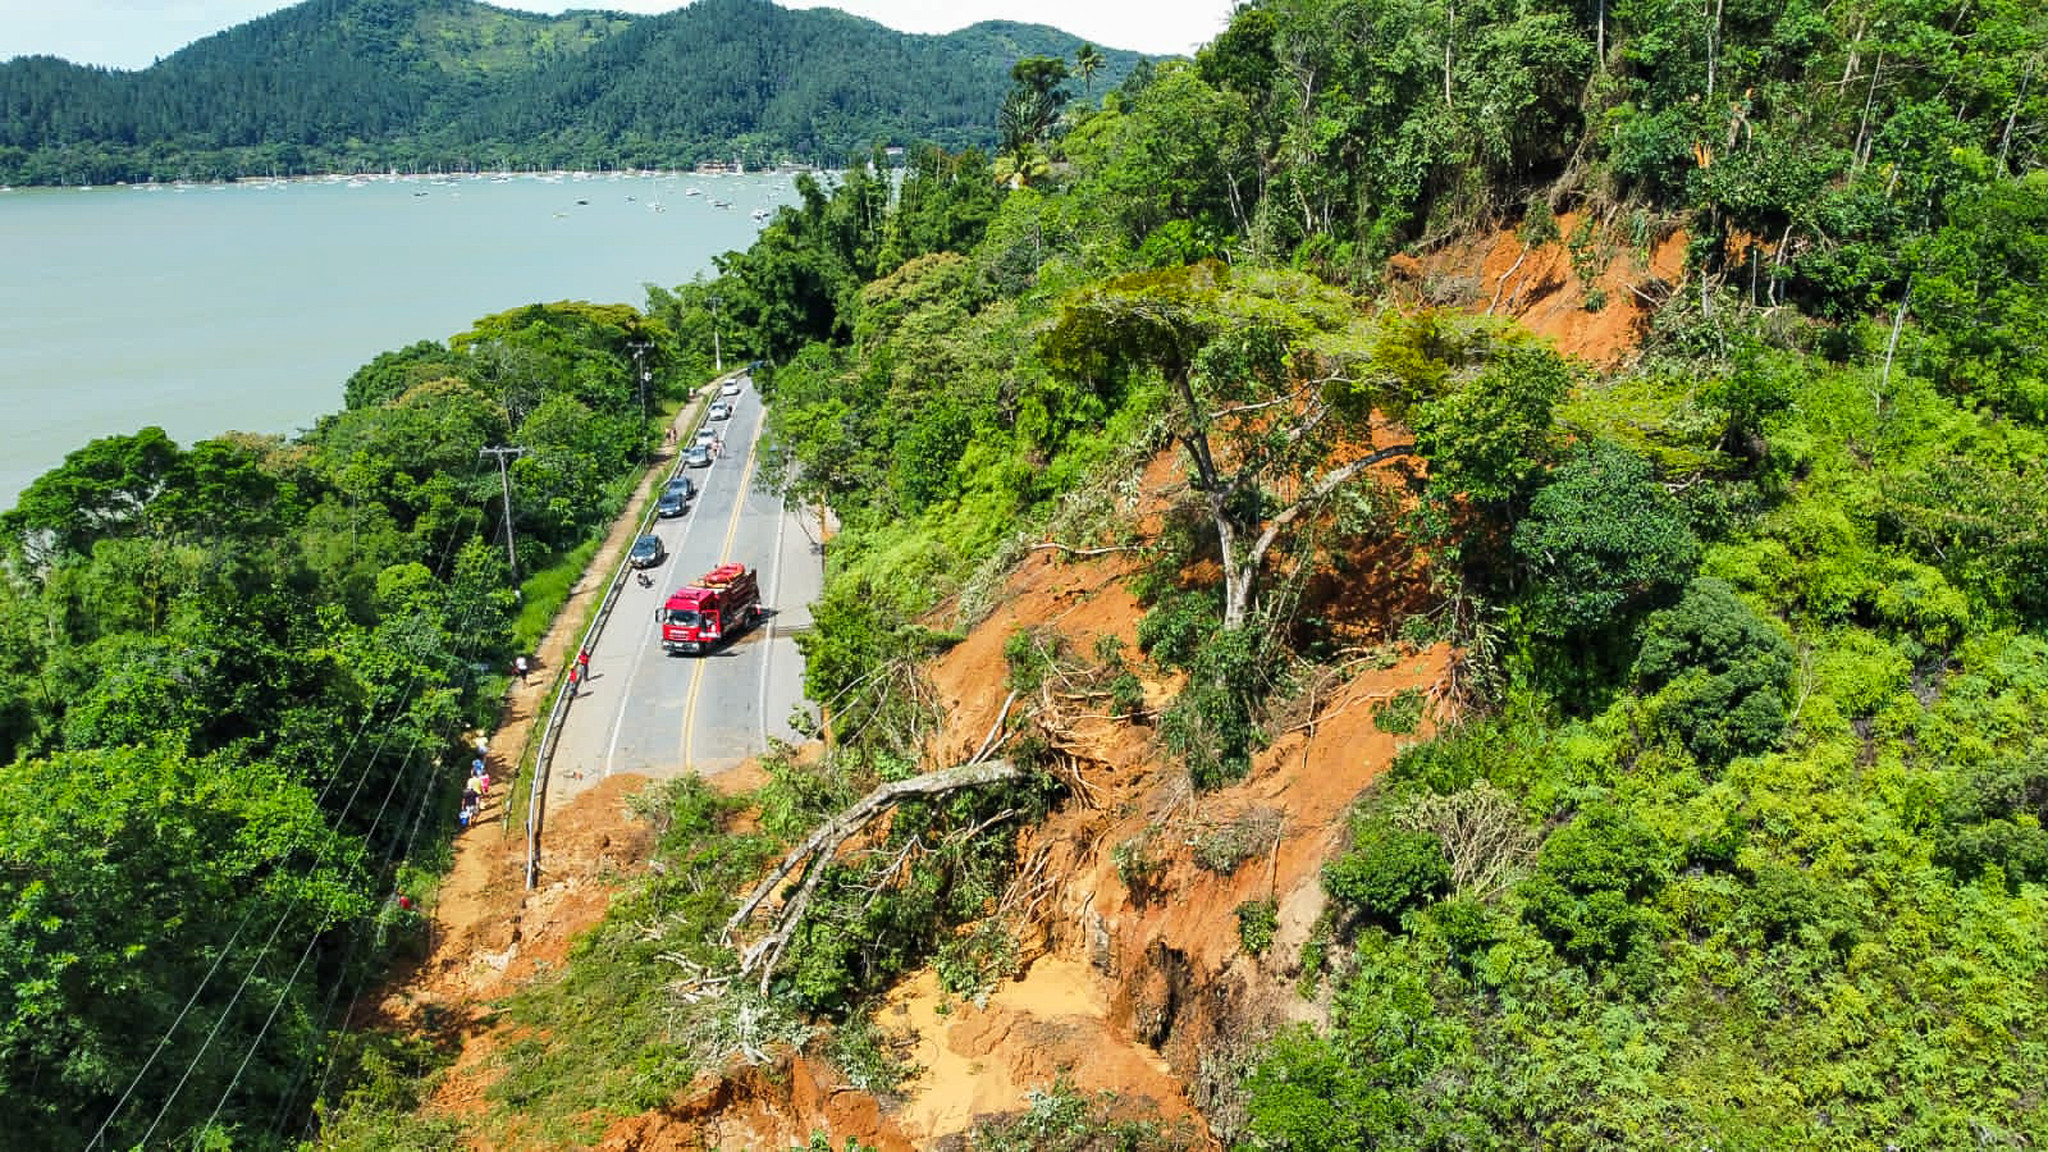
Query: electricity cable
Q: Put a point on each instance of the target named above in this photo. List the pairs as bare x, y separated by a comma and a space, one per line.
334, 778
391, 855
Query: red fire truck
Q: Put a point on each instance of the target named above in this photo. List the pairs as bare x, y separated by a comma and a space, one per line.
722, 603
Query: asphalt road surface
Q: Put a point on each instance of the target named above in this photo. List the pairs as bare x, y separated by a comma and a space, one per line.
644, 711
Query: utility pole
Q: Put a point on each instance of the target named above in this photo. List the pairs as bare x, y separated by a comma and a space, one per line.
505, 478
640, 370
717, 356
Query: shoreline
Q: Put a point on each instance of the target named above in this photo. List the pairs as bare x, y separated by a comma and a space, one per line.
549, 176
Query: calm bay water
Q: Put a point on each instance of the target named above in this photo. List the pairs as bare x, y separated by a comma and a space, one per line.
212, 308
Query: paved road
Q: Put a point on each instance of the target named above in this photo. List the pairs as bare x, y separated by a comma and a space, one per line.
647, 712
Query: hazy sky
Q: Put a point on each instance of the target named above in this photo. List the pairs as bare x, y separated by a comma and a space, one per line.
132, 33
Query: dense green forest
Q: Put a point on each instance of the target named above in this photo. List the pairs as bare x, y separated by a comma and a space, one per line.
1736, 839
448, 85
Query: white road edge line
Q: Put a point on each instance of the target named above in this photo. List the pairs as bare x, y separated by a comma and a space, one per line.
768, 633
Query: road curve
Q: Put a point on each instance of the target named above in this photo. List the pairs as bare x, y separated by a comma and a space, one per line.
644, 711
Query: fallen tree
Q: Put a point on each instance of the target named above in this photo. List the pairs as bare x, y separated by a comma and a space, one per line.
809, 860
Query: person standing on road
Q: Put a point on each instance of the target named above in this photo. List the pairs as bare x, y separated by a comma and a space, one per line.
583, 664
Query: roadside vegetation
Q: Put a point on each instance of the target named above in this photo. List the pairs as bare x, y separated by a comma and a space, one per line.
1732, 830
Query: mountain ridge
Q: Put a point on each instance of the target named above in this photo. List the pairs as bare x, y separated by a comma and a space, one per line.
340, 85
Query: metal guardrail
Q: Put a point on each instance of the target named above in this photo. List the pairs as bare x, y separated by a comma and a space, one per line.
537, 788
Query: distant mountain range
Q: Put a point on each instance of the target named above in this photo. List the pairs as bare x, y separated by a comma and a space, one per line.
423, 85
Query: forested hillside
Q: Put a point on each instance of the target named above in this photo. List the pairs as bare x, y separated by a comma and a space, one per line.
445, 85
1731, 829
1734, 834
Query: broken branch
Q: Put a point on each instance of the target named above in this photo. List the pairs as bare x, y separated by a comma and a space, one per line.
823, 845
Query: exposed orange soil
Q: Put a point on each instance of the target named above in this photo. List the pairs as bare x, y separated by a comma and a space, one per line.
1142, 985
1539, 288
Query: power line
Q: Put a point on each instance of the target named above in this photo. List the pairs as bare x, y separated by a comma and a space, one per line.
446, 559
392, 854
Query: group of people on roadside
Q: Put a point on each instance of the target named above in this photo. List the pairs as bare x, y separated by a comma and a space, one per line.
477, 787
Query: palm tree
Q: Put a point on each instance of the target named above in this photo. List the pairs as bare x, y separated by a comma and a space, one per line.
1088, 61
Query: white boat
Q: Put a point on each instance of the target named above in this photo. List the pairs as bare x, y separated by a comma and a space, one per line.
760, 213
693, 192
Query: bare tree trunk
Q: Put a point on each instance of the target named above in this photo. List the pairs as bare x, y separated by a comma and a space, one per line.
1502, 286
1891, 346
1856, 152
1713, 47
1237, 595
1450, 34
2005, 137
1237, 584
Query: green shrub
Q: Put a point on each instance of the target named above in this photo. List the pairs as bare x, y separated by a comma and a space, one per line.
1314, 958
1388, 871
1139, 867
972, 963
871, 1058
1468, 929
1401, 714
1602, 542
1591, 878
1717, 674
1127, 695
1257, 922
1211, 725
1374, 1081
1173, 631
1993, 817
1029, 654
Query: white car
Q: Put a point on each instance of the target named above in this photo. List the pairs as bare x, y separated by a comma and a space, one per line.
721, 411
732, 387
706, 435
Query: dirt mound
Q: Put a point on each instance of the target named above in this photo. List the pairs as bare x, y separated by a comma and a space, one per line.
771, 1106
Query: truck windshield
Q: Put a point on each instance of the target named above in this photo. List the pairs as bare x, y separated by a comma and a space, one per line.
683, 616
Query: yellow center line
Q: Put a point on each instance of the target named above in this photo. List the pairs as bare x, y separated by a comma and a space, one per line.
732, 529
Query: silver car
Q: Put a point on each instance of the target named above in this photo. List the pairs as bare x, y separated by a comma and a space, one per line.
697, 456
